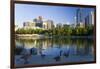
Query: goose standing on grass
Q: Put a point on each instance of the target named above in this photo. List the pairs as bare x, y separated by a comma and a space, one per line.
25, 56
58, 57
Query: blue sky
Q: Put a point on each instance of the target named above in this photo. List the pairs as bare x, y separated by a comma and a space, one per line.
59, 14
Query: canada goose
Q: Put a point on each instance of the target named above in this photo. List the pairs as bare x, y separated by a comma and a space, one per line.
42, 55
33, 51
57, 58
26, 57
66, 54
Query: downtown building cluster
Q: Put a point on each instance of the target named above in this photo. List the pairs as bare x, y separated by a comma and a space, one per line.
80, 20
39, 23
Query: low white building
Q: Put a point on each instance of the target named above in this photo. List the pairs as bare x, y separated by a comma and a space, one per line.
16, 27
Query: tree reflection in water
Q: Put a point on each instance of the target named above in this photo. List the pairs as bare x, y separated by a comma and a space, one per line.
54, 48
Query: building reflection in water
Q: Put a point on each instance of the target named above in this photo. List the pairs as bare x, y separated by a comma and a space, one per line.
75, 46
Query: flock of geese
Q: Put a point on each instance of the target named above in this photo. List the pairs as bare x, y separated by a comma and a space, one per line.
57, 57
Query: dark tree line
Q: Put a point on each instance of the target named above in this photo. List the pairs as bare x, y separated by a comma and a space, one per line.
63, 31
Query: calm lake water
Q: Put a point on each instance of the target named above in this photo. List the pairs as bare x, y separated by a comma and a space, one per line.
53, 51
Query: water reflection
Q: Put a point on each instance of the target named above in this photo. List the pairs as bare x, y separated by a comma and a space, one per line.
54, 50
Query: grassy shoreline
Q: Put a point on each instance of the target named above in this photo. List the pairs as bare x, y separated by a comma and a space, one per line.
39, 36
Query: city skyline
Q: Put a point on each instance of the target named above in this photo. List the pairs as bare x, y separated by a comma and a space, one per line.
59, 14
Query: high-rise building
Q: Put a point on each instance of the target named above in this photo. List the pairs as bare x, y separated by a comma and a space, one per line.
50, 24
92, 17
45, 25
28, 25
79, 17
35, 20
75, 22
59, 25
87, 21
38, 21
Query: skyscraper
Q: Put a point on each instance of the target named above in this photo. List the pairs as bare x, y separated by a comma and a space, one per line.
75, 21
38, 21
50, 24
79, 16
87, 21
45, 25
59, 25
92, 17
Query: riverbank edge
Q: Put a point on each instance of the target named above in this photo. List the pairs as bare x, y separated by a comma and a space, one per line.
39, 36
